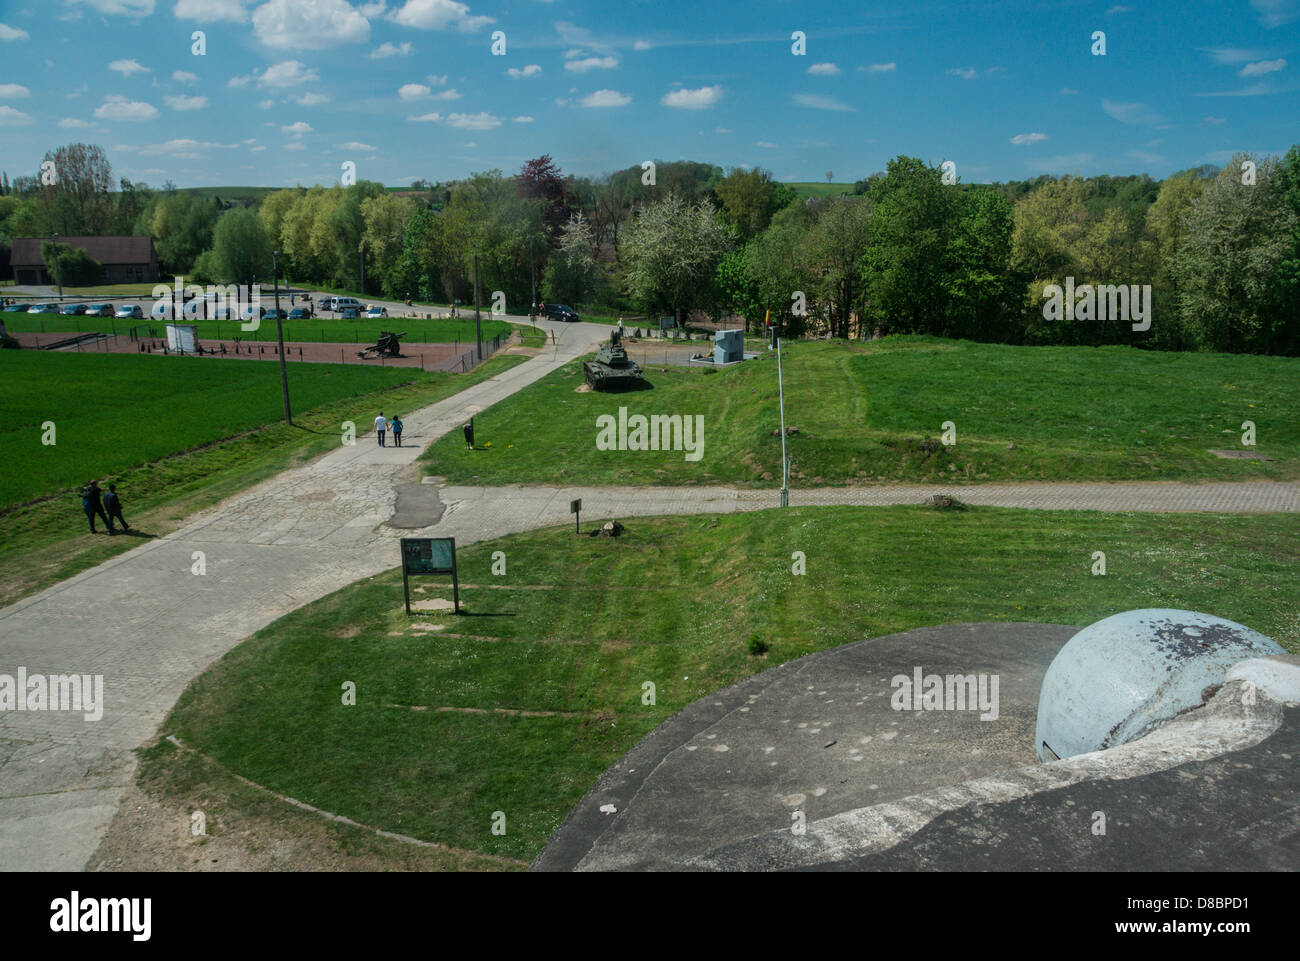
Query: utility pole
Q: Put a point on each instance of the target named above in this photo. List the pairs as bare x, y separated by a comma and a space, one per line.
279, 332
361, 253
58, 271
785, 474
478, 327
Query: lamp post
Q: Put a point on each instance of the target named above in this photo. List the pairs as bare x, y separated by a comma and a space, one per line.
532, 266
478, 328
279, 332
785, 476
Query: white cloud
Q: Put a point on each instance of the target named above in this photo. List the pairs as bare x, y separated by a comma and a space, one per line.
1119, 8
1262, 67
266, 104
129, 8
1134, 114
119, 108
1023, 138
127, 67
294, 145
8, 115
1275, 13
184, 149
438, 15
72, 123
824, 70
425, 118
412, 91
641, 45
389, 50
764, 144
186, 103
437, 81
290, 73
529, 71
692, 99
473, 121
821, 103
12, 91
12, 33
1068, 92
184, 76
296, 129
372, 10
606, 98
591, 63
1233, 54
210, 11
309, 24
880, 67
1146, 158
1255, 90
523, 119
721, 130
452, 94
353, 145
310, 99
257, 149
966, 73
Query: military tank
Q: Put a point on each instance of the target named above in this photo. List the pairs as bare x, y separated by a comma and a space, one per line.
612, 370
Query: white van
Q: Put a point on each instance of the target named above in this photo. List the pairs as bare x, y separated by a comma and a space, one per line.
341, 304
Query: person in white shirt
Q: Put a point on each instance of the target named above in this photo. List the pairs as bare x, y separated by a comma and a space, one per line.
381, 425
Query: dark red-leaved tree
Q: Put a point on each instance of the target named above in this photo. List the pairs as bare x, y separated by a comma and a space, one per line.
541, 179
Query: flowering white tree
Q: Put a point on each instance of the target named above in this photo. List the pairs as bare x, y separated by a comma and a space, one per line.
571, 272
671, 251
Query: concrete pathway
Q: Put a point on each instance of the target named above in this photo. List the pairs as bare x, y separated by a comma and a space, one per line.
149, 624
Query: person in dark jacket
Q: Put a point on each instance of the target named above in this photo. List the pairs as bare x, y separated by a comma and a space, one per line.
395, 425
114, 508
469, 434
92, 503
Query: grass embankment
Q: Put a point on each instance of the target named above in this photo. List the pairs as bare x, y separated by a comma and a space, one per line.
176, 436
875, 413
434, 744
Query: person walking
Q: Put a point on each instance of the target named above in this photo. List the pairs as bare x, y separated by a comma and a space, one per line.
92, 503
469, 434
380, 426
396, 425
114, 508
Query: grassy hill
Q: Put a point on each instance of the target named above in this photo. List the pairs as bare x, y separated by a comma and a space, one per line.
812, 188
868, 413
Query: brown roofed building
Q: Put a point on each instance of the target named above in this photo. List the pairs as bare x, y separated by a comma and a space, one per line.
126, 259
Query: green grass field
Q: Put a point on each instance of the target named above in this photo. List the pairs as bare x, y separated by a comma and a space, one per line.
326, 329
177, 435
577, 624
814, 188
875, 413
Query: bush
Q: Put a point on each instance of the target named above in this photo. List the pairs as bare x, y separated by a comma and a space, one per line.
757, 645
75, 268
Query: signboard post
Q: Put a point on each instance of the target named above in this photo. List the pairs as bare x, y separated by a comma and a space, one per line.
429, 555
574, 508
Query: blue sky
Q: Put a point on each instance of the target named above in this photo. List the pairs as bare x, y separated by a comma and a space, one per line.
290, 89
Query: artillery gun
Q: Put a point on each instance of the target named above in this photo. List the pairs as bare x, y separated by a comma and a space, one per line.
387, 346
612, 370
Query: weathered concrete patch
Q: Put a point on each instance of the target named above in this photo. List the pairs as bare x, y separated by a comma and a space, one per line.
418, 505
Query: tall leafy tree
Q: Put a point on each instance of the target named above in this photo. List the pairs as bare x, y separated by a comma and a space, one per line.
672, 251
241, 248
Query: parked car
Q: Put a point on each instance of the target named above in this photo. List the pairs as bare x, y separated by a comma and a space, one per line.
347, 303
73, 310
377, 312
273, 314
130, 311
16, 309
99, 310
300, 313
350, 313
560, 312
44, 309
247, 313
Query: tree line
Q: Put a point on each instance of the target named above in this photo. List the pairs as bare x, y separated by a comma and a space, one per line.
903, 252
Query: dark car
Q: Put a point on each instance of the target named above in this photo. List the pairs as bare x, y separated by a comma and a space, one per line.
16, 309
271, 314
350, 313
99, 310
73, 310
300, 313
560, 312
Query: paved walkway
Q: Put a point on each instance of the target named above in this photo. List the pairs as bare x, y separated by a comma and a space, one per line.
149, 625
